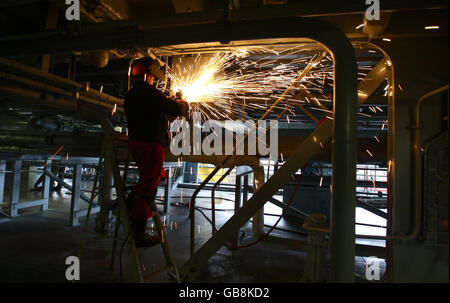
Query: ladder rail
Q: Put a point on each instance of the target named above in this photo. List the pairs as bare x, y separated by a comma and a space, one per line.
88, 215
119, 184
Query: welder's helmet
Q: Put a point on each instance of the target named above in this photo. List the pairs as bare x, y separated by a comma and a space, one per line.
145, 66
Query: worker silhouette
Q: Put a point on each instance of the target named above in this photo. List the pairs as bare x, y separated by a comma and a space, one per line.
147, 110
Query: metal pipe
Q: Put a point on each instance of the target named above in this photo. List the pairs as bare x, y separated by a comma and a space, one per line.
13, 67
416, 230
327, 231
85, 111
58, 91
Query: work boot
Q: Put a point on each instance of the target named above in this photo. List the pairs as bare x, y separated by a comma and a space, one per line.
141, 238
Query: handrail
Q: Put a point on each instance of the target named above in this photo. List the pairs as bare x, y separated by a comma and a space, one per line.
213, 199
416, 230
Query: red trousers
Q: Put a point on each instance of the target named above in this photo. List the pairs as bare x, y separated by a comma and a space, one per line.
149, 157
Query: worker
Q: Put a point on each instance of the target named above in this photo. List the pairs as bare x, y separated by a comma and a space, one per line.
148, 113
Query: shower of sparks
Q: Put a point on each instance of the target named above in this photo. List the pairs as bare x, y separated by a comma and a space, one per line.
244, 82
369, 153
321, 179
231, 83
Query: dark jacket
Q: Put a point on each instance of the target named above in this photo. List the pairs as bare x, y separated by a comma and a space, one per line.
148, 110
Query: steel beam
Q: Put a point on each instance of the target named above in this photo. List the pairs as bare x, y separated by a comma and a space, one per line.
258, 217
65, 185
295, 211
168, 193
126, 34
372, 209
75, 199
2, 179
15, 191
46, 186
32, 203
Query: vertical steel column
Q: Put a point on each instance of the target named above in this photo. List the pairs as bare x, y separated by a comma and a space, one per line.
46, 185
345, 103
15, 192
2, 179
107, 183
167, 194
104, 216
245, 190
258, 217
237, 203
75, 199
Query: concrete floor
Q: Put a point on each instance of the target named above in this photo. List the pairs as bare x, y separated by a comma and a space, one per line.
34, 246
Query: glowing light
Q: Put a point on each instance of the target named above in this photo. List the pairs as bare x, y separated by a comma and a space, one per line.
359, 26
387, 39
201, 82
432, 27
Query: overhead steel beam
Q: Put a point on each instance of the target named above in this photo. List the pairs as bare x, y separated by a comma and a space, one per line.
145, 32
15, 3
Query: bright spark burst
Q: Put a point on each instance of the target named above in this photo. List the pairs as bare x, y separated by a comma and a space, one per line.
202, 82
244, 82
